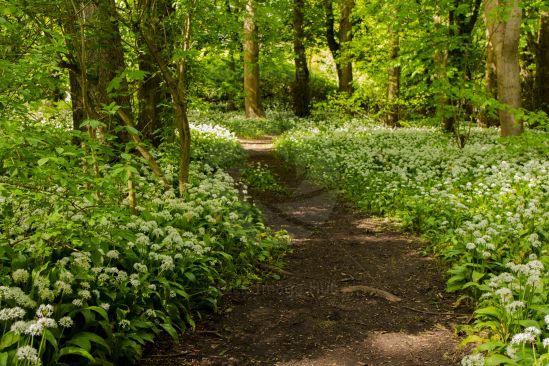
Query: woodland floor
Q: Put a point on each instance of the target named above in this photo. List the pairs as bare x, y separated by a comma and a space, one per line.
323, 310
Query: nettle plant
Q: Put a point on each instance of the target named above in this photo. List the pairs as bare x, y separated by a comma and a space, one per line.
82, 277
484, 207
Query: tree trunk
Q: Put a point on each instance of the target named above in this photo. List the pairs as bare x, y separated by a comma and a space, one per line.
461, 29
541, 86
344, 65
393, 86
490, 76
301, 87
105, 60
505, 17
150, 96
345, 38
252, 94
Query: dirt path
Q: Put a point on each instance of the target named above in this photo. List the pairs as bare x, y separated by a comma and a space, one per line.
330, 308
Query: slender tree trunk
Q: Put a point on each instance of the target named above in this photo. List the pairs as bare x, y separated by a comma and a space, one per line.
345, 38
344, 65
393, 86
461, 29
490, 76
252, 94
301, 88
542, 65
441, 71
505, 17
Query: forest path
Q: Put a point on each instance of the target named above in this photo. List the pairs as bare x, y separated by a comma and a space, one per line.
355, 291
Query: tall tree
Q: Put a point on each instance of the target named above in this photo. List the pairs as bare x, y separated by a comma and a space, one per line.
541, 86
504, 17
490, 77
172, 63
252, 91
393, 85
463, 16
301, 92
340, 47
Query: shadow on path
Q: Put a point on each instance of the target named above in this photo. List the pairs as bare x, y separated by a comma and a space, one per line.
323, 310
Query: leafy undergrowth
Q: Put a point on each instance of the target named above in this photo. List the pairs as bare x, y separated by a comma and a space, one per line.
275, 123
82, 280
262, 179
485, 208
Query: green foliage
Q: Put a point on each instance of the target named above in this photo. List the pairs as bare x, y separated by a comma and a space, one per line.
259, 177
484, 208
82, 279
275, 123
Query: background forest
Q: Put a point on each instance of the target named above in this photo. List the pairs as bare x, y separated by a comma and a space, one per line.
119, 120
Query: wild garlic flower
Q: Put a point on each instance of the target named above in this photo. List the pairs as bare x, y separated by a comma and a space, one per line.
44, 311
473, 360
34, 329
12, 313
20, 276
47, 322
66, 322
28, 353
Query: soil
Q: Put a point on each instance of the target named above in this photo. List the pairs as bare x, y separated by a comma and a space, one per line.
354, 291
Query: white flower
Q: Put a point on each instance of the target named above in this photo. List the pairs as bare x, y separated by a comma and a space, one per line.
112, 254
77, 302
28, 353
84, 294
47, 322
66, 322
19, 327
34, 329
105, 306
514, 306
521, 338
44, 311
12, 313
473, 360
20, 276
124, 323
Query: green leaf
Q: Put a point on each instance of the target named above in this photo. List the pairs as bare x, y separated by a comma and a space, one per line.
51, 339
83, 340
477, 276
4, 359
75, 351
170, 330
496, 360
43, 161
489, 311
132, 130
8, 339
99, 310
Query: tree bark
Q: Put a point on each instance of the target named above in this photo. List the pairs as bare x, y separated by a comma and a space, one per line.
461, 29
490, 77
393, 86
505, 17
541, 86
345, 38
344, 65
150, 96
175, 79
252, 94
301, 87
